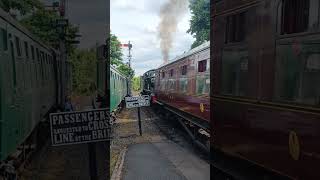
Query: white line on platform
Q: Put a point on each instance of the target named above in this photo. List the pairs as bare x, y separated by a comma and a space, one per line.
116, 175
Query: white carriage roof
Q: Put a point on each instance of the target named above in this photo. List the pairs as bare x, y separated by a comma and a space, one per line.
114, 69
197, 49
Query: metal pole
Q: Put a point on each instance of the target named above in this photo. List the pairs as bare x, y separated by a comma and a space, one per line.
139, 121
129, 57
92, 161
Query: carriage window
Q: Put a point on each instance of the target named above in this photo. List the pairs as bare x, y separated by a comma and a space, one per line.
41, 62
32, 52
183, 85
38, 55
235, 28
163, 74
184, 70
171, 84
18, 47
203, 85
14, 73
295, 16
4, 39
235, 72
26, 48
171, 72
202, 66
297, 75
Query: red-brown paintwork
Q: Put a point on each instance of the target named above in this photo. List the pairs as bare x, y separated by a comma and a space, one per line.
187, 102
257, 128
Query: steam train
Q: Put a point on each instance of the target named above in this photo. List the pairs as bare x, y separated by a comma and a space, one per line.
265, 89
147, 81
34, 80
181, 87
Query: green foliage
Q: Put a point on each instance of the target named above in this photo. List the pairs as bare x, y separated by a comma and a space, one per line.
115, 50
200, 21
84, 71
126, 70
136, 83
23, 6
41, 23
116, 57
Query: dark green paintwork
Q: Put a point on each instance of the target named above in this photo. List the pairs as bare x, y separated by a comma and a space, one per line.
118, 88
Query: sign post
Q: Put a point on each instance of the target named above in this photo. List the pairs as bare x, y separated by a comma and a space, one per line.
139, 120
92, 161
138, 101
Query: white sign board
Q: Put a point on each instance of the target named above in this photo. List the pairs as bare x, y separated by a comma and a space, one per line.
137, 101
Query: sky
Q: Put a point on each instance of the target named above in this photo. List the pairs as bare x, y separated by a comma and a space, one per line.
137, 21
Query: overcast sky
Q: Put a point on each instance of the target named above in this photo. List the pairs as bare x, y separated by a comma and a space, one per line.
137, 21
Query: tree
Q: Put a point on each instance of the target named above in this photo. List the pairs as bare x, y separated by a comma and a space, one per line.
125, 70
84, 70
200, 21
23, 6
41, 23
116, 57
136, 83
115, 50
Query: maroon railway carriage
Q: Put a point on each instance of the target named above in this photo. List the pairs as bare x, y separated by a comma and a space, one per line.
266, 95
183, 85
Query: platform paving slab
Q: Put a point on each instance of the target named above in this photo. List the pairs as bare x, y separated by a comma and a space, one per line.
145, 162
163, 161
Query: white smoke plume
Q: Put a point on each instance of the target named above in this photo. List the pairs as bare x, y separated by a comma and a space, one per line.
170, 14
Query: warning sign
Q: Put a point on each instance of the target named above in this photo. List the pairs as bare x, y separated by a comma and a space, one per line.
137, 101
79, 127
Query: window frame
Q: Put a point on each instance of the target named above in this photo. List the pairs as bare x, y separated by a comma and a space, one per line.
236, 31
26, 49
184, 70
18, 46
282, 18
4, 39
32, 52
171, 72
202, 66
163, 74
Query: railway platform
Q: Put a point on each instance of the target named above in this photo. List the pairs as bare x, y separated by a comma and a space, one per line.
161, 153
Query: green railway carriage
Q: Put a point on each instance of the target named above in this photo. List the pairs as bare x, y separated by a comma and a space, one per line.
33, 80
118, 88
